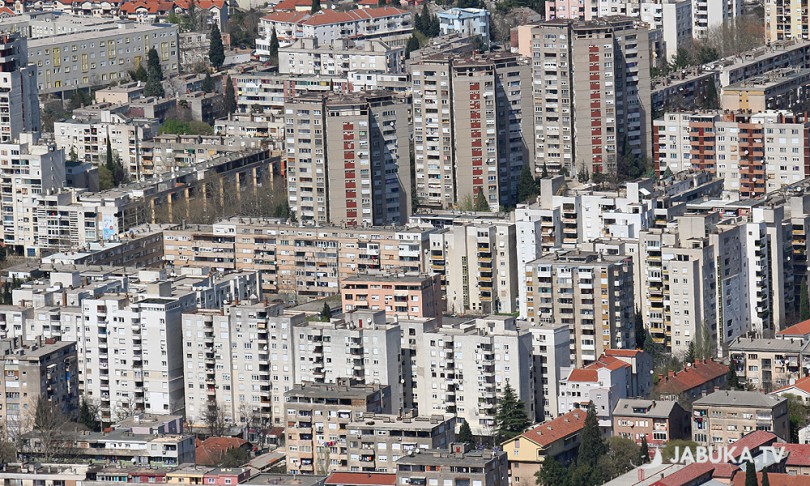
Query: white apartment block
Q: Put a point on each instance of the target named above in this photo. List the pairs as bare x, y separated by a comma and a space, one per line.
338, 58
388, 24
786, 19
463, 369
30, 170
87, 139
603, 382
551, 351
477, 261
19, 103
588, 292
673, 18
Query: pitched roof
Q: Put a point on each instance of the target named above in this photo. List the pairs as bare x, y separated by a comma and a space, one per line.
290, 5
800, 329
150, 6
204, 4
559, 428
752, 442
608, 362
625, 353
656, 408
739, 398
798, 454
585, 375
803, 384
326, 17
210, 451
775, 479
7, 11
687, 475
363, 478
700, 373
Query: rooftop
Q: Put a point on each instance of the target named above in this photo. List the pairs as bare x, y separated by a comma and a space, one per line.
736, 398
446, 458
800, 329
700, 373
767, 345
561, 427
634, 407
361, 478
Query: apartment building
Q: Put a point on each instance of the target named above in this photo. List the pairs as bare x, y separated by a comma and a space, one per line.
36, 370
30, 169
603, 383
551, 352
347, 159
785, 19
400, 295
472, 128
673, 18
657, 421
467, 22
725, 416
561, 288
376, 441
267, 92
388, 24
696, 380
318, 415
458, 463
462, 369
556, 438
687, 89
779, 89
708, 15
227, 355
340, 57
769, 364
304, 262
615, 111
476, 259
86, 140
18, 89
100, 54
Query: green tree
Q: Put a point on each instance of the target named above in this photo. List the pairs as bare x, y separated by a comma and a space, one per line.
750, 474
544, 174
765, 480
552, 474
180, 127
672, 446
622, 456
644, 451
412, 45
235, 457
140, 73
316, 6
105, 178
804, 301
274, 46
465, 433
110, 162
154, 77
591, 446
480, 203
511, 417
690, 353
797, 415
527, 186
230, 97
208, 83
326, 312
88, 415
732, 380
216, 50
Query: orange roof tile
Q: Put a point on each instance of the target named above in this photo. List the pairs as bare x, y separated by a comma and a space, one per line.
204, 4
561, 427
368, 2
7, 11
150, 6
752, 441
798, 454
698, 374
775, 479
608, 362
579, 374
799, 329
289, 5
326, 17
211, 451
625, 353
802, 384
365, 479
687, 475
726, 471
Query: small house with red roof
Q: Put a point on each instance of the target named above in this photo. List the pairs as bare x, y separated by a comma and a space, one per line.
293, 6
603, 382
212, 450
145, 11
216, 10
558, 438
798, 460
692, 382
800, 330
801, 389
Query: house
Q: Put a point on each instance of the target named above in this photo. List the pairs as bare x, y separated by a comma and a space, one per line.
641, 367
211, 450
800, 330
798, 460
800, 388
768, 364
217, 10
293, 6
603, 382
660, 421
696, 380
360, 479
558, 438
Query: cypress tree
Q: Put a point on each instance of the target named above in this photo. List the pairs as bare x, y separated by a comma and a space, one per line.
511, 418
230, 97
216, 51
316, 6
591, 446
527, 186
154, 75
465, 433
644, 451
208, 83
274, 45
765, 480
750, 474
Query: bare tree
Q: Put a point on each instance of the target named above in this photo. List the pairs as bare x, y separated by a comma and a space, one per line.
215, 419
737, 35
46, 436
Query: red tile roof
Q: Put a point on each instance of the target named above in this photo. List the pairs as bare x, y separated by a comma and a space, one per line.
368, 2
799, 329
798, 454
726, 471
559, 428
802, 384
687, 475
326, 17
7, 11
625, 353
362, 478
585, 375
150, 6
204, 4
698, 374
608, 362
775, 479
751, 442
291, 5
211, 451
